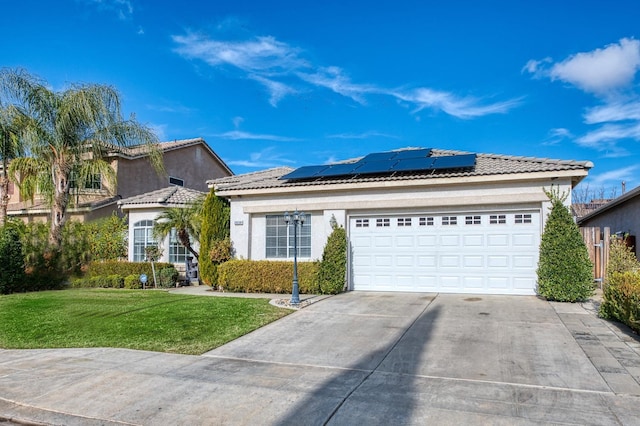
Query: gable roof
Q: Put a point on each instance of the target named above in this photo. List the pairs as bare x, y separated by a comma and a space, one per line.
139, 151
610, 205
172, 196
486, 165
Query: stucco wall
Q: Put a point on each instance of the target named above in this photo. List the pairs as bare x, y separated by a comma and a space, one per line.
248, 212
623, 218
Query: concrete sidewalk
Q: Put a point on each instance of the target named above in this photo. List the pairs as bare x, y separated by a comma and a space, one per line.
356, 358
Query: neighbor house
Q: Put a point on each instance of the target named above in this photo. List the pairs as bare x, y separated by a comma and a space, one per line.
143, 210
418, 220
188, 163
621, 216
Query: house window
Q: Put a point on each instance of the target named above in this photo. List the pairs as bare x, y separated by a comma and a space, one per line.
177, 252
523, 218
472, 220
176, 181
362, 223
142, 238
497, 219
93, 182
404, 221
383, 222
425, 221
279, 238
449, 220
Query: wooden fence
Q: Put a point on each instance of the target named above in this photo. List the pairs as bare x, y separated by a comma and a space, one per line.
598, 241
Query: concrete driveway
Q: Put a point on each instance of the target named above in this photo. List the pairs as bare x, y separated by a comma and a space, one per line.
356, 358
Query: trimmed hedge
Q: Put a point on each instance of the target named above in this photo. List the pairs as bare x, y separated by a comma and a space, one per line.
125, 268
622, 299
116, 274
265, 276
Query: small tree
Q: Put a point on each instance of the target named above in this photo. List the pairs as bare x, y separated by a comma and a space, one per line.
215, 228
108, 238
11, 261
333, 268
564, 270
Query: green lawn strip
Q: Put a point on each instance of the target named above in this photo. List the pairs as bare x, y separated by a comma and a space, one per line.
135, 319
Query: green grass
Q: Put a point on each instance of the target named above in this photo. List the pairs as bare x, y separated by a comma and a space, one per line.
135, 319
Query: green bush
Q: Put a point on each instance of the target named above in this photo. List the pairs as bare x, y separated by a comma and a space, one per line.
115, 281
12, 276
333, 268
167, 277
214, 228
132, 282
124, 268
108, 238
564, 270
621, 259
622, 299
264, 276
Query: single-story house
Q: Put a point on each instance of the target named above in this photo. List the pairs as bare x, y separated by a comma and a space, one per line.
621, 215
418, 220
143, 210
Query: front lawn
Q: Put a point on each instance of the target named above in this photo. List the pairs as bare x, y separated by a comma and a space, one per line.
135, 319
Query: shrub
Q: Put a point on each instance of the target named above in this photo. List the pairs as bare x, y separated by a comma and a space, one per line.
264, 276
108, 238
123, 268
215, 227
622, 298
564, 270
333, 268
132, 282
12, 274
115, 281
167, 277
621, 259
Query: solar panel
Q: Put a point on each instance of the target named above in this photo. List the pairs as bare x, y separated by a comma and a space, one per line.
454, 161
338, 170
374, 167
413, 164
413, 153
305, 172
379, 156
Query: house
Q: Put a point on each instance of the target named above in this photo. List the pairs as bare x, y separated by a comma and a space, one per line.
418, 220
143, 210
621, 215
188, 163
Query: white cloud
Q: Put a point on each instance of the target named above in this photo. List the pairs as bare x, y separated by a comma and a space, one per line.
364, 135
624, 174
160, 131
237, 121
603, 72
283, 71
617, 111
240, 135
557, 135
263, 159
605, 138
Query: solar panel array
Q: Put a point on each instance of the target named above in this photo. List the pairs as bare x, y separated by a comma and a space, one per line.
413, 160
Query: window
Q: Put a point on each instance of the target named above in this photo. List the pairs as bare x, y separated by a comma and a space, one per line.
142, 238
425, 221
523, 218
404, 221
93, 182
177, 252
449, 220
383, 223
362, 223
279, 238
497, 219
472, 220
176, 181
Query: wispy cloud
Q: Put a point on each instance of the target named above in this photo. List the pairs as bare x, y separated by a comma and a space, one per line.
241, 135
283, 70
608, 73
123, 8
625, 174
363, 135
266, 158
557, 135
160, 130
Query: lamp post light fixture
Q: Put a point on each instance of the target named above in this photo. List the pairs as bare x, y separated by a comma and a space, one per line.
295, 219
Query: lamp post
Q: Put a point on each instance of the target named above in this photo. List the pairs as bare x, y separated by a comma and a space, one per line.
295, 219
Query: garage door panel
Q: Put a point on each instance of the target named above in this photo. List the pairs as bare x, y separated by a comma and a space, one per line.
458, 253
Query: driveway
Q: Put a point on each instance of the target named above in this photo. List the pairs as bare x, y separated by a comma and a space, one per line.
356, 358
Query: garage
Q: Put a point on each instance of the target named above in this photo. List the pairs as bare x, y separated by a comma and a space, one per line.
459, 252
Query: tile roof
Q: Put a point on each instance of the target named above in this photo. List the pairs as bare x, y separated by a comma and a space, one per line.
486, 165
169, 196
141, 150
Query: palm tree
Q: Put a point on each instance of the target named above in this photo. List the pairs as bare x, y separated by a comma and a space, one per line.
11, 147
186, 222
68, 134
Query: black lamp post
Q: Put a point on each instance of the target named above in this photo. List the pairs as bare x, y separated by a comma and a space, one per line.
295, 219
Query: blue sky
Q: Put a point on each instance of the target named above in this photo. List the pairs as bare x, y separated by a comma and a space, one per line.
299, 83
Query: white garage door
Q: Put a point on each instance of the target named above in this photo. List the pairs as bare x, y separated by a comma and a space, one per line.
495, 253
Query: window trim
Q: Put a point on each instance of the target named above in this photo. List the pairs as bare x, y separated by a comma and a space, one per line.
280, 251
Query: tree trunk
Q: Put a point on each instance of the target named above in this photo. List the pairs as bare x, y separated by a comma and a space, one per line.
183, 237
58, 207
4, 197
